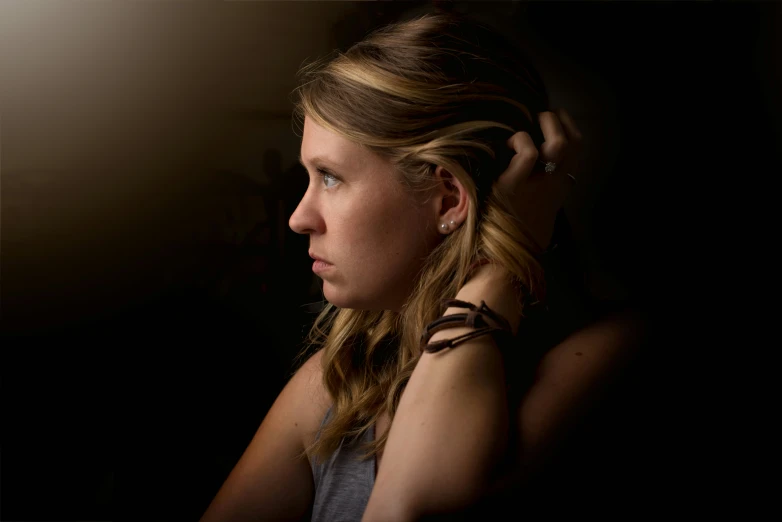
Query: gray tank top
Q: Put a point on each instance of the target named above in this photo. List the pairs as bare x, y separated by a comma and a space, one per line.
343, 482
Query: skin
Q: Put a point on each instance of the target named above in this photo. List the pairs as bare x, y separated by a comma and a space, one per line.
468, 383
362, 221
376, 236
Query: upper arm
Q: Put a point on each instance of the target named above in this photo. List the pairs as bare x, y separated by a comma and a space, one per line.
568, 379
271, 481
572, 374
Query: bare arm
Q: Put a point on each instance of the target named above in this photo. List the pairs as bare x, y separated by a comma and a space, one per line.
571, 377
270, 481
434, 461
569, 380
441, 464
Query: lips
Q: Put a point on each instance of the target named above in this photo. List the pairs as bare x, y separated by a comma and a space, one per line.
318, 258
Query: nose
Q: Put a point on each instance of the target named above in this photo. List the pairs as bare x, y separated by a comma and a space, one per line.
304, 219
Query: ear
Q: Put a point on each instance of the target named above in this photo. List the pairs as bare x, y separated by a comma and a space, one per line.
451, 201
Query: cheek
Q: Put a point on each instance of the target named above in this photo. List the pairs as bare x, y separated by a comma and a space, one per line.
383, 229
403, 239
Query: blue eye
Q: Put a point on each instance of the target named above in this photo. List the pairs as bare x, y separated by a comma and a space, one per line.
326, 174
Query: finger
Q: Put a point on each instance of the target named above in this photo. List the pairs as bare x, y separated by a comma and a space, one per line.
521, 143
524, 159
553, 148
571, 130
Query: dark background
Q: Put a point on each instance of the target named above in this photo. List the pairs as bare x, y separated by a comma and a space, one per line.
153, 296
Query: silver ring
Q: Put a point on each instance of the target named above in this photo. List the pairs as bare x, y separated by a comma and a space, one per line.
571, 177
550, 167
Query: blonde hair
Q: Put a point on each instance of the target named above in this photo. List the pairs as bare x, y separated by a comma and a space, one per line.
435, 90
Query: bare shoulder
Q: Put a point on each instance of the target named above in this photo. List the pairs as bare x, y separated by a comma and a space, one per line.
313, 399
271, 481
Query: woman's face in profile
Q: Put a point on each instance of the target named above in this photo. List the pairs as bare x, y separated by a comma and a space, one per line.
361, 220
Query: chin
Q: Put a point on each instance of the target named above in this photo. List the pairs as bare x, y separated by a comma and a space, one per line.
336, 297
351, 301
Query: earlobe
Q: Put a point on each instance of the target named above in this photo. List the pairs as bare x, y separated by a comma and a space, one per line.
445, 228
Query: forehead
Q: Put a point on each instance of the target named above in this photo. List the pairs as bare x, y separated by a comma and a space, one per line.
319, 144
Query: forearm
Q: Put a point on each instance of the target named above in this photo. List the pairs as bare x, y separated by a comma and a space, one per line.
451, 426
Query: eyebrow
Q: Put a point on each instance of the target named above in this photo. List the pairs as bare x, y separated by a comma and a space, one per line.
319, 159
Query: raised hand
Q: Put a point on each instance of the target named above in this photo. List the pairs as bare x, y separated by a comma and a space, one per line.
536, 183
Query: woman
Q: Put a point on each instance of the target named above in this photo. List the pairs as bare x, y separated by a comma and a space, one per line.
424, 145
